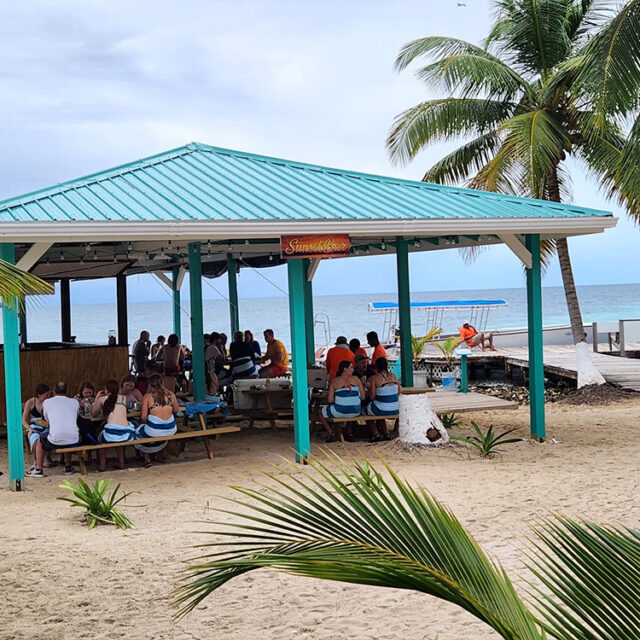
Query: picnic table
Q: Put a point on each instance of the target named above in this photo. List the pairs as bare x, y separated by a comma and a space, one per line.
268, 394
198, 409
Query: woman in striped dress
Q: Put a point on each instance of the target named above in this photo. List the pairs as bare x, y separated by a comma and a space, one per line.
345, 399
158, 409
113, 406
384, 393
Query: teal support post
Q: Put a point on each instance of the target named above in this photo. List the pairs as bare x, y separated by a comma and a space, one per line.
175, 290
12, 390
297, 274
308, 316
404, 307
197, 329
464, 377
536, 362
234, 313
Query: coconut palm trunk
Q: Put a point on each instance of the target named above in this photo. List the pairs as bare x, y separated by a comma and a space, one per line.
587, 371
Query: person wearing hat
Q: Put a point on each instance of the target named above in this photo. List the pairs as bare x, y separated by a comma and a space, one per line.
336, 355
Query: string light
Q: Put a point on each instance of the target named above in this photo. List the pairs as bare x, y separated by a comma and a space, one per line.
62, 256
383, 245
416, 243
271, 257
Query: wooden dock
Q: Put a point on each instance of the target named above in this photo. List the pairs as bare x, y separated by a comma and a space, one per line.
454, 402
560, 360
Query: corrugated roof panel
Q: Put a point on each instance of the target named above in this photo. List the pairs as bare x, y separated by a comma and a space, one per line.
198, 182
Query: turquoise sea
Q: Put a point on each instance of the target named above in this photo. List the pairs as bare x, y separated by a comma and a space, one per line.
348, 315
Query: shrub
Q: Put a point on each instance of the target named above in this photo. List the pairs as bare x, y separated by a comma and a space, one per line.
486, 443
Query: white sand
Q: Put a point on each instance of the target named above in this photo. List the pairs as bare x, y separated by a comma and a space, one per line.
61, 581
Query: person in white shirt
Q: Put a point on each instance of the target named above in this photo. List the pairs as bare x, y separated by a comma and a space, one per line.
61, 412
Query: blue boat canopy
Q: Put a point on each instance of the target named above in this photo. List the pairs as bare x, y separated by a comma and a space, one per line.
441, 304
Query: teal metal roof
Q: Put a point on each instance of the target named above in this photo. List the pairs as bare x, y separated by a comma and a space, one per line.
199, 182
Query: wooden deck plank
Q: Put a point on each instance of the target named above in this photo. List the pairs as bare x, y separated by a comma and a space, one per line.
453, 402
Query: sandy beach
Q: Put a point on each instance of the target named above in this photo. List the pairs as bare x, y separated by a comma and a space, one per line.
62, 581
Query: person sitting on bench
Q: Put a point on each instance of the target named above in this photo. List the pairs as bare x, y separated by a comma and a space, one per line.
158, 409
469, 335
113, 406
242, 355
277, 356
345, 396
61, 412
384, 393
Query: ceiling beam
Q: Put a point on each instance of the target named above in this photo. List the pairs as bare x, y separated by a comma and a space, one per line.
33, 254
313, 267
515, 244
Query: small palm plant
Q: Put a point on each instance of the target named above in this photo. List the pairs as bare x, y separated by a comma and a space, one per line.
349, 523
447, 347
99, 506
487, 443
418, 344
450, 420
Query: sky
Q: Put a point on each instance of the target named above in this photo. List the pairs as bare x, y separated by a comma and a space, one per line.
89, 85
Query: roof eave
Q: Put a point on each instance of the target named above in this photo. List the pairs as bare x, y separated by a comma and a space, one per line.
94, 231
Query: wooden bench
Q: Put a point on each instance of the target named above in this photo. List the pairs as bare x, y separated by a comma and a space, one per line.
195, 433
338, 422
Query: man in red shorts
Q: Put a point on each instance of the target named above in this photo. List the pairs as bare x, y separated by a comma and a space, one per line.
277, 356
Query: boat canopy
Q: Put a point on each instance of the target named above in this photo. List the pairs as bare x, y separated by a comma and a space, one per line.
474, 311
441, 304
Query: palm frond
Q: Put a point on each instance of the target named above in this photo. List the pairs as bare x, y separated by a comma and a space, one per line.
591, 574
15, 284
436, 47
471, 74
335, 524
443, 119
532, 33
539, 142
610, 76
466, 160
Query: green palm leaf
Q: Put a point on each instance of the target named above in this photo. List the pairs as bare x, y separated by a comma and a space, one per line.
443, 119
610, 75
591, 574
15, 284
466, 160
533, 33
338, 525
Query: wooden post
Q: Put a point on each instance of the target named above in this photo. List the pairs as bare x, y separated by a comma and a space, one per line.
123, 318
536, 358
22, 320
197, 331
175, 289
234, 313
297, 275
404, 309
12, 390
308, 316
65, 310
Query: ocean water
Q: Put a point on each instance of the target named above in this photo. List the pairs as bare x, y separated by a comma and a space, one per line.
348, 315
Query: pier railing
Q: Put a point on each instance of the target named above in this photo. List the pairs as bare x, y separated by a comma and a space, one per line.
619, 335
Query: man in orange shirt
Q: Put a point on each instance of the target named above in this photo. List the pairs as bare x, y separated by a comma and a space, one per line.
469, 335
336, 355
378, 350
356, 349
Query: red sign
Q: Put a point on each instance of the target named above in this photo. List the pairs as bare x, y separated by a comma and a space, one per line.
329, 246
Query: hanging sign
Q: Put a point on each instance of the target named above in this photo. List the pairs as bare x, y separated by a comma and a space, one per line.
328, 246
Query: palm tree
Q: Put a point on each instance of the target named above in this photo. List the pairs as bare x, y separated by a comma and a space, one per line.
555, 80
348, 523
15, 284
